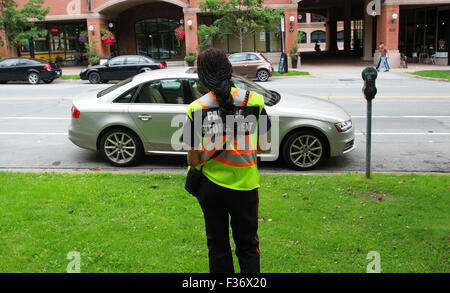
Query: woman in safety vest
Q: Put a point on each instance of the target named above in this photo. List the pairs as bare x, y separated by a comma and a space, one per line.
222, 130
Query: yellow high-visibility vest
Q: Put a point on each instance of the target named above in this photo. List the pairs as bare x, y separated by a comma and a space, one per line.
236, 166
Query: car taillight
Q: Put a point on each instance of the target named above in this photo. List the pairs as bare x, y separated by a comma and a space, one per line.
75, 112
48, 67
160, 65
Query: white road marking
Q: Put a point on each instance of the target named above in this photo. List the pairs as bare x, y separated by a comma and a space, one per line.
405, 133
35, 118
357, 133
401, 117
33, 133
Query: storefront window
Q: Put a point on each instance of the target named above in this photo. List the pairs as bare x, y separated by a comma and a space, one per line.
60, 44
155, 37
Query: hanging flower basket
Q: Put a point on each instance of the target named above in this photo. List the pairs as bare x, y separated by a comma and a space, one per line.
83, 37
180, 34
108, 37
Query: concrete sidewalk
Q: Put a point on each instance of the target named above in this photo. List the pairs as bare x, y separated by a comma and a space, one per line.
329, 69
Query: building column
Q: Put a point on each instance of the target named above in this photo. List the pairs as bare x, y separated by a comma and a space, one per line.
347, 26
98, 24
388, 32
368, 32
331, 31
191, 38
290, 29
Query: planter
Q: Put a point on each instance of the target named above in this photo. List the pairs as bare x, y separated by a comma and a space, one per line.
294, 62
190, 63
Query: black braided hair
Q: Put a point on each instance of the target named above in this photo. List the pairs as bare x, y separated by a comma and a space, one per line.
214, 71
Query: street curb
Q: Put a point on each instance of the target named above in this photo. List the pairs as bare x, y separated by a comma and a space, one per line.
184, 171
425, 78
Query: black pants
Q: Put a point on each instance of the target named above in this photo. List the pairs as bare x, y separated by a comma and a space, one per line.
217, 203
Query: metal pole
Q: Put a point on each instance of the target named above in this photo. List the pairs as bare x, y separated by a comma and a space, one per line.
368, 138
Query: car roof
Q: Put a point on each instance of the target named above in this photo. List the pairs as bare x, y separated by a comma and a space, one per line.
176, 72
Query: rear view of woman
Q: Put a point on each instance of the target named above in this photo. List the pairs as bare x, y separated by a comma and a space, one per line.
222, 131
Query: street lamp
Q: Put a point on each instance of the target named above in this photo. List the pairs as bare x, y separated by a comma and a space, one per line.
394, 17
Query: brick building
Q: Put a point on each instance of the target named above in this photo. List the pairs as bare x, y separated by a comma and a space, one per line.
415, 27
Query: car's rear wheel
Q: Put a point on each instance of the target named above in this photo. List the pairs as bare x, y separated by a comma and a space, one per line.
121, 147
48, 80
34, 78
304, 149
94, 78
262, 75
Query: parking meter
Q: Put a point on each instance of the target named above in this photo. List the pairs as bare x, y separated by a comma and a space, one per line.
369, 75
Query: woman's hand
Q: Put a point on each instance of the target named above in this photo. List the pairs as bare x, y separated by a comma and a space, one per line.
193, 157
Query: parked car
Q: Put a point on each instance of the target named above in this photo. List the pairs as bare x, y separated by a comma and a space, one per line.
251, 65
31, 70
135, 117
119, 68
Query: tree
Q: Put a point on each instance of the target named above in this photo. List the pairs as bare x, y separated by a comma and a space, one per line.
19, 24
240, 18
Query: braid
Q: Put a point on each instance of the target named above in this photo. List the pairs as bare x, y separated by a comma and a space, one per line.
214, 71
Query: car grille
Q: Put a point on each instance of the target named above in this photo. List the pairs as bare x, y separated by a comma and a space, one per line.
349, 145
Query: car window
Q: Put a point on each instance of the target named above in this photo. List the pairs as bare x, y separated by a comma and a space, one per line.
25, 62
252, 57
166, 91
197, 89
270, 98
114, 87
117, 61
126, 97
133, 60
237, 58
8, 62
143, 60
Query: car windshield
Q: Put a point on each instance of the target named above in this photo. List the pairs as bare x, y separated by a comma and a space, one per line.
114, 87
270, 98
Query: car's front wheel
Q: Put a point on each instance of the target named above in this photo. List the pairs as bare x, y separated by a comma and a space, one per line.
304, 149
94, 78
121, 147
34, 78
262, 75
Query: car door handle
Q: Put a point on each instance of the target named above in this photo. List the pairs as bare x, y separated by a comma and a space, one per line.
145, 117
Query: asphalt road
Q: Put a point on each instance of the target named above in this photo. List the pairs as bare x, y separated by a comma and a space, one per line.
411, 125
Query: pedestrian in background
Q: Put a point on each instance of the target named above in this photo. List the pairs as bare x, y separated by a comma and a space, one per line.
384, 58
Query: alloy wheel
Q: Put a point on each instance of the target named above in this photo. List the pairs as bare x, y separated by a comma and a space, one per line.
305, 151
33, 78
120, 148
263, 75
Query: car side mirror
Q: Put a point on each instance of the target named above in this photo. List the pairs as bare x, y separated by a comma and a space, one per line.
275, 94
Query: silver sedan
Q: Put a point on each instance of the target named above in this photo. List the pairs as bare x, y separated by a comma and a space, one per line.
145, 115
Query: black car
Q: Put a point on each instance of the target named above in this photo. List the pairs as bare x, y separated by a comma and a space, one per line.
32, 70
119, 68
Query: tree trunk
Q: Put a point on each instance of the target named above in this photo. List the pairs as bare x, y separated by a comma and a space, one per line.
241, 41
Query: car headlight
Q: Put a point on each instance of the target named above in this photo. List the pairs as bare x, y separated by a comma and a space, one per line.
84, 70
343, 126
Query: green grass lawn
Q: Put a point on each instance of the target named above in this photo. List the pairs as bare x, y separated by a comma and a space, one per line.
290, 73
444, 74
69, 76
148, 223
